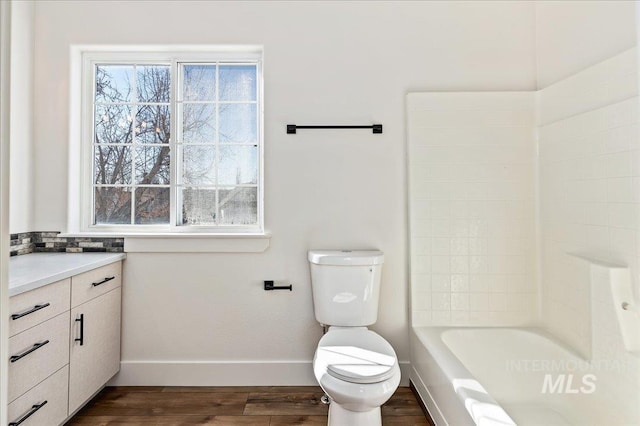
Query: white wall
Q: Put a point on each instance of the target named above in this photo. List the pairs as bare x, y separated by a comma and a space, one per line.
471, 206
22, 45
573, 35
327, 63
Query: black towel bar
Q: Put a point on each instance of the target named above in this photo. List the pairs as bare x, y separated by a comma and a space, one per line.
292, 128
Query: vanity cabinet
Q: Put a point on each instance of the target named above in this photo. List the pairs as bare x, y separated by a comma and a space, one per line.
64, 345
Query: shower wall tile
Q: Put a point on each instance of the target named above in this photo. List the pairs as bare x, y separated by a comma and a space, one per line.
589, 169
623, 377
601, 85
471, 174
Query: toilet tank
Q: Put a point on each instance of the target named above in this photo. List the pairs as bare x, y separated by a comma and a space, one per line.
346, 286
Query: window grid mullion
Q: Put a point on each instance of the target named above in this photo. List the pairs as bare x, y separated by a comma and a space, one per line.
213, 102
94, 184
92, 195
206, 144
174, 155
212, 186
131, 103
216, 141
134, 113
94, 71
160, 145
126, 185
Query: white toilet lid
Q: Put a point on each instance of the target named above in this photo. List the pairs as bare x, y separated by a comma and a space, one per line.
356, 356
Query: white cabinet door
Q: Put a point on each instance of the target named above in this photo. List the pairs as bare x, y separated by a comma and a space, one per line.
95, 359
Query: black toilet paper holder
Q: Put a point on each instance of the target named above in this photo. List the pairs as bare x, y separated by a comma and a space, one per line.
268, 285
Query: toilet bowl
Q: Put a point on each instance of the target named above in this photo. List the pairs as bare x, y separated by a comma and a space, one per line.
356, 367
359, 372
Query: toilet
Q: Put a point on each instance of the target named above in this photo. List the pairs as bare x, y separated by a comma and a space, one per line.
355, 367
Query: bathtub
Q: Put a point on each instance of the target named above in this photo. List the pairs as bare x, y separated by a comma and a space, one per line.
506, 376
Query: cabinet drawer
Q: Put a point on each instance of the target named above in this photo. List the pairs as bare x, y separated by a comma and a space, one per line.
95, 283
35, 306
54, 390
36, 353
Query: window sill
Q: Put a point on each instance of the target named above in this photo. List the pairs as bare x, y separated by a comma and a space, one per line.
187, 242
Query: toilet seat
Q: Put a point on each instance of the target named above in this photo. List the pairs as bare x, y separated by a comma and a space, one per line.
356, 355
359, 373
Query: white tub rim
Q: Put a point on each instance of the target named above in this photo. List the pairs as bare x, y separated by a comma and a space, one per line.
430, 337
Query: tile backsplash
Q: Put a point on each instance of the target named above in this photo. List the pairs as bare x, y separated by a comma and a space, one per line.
41, 242
22, 243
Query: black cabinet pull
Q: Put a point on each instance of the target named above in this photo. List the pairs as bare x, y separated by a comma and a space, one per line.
103, 281
30, 311
30, 413
81, 338
35, 347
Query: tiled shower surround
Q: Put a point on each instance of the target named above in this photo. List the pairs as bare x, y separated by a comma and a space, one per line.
589, 174
42, 242
589, 154
472, 208
472, 201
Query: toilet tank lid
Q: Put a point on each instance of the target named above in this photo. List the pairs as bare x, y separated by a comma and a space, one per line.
346, 257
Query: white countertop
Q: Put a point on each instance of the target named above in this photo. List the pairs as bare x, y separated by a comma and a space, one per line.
30, 271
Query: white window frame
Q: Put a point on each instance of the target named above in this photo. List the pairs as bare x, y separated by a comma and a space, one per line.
81, 203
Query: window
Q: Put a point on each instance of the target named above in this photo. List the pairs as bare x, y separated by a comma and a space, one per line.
173, 143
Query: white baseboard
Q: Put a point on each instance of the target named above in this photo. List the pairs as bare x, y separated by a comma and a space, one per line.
211, 373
